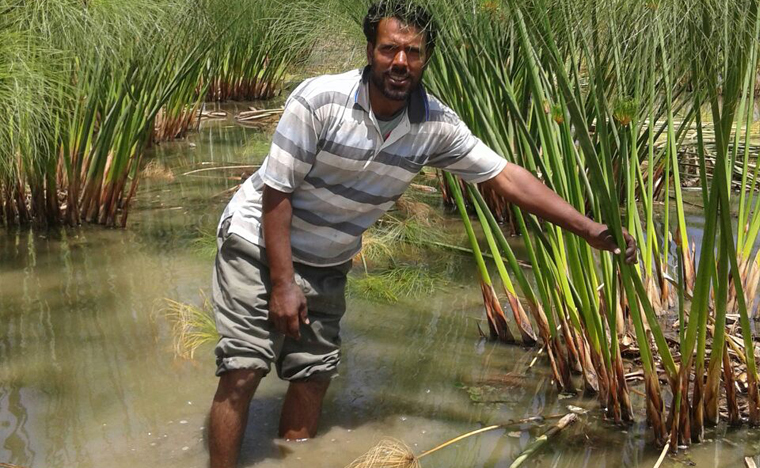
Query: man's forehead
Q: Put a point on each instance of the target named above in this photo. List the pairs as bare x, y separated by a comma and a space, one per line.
394, 29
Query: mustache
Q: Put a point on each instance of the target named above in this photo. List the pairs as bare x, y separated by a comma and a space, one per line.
397, 76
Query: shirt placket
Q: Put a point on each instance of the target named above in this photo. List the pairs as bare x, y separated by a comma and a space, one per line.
397, 133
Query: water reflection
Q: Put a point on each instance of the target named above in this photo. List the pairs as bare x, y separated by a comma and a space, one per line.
13, 418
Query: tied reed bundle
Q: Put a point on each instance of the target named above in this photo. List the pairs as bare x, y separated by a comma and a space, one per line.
393, 453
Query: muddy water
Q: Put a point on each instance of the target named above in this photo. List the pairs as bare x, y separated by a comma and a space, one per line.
88, 377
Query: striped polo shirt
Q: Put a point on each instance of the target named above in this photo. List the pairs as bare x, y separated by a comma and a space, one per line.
328, 152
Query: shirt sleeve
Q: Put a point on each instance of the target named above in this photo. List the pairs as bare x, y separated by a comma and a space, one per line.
294, 145
463, 154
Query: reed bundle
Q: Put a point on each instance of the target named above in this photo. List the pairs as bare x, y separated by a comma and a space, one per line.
393, 453
597, 100
591, 150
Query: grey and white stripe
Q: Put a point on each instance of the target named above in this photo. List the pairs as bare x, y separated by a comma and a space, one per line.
328, 152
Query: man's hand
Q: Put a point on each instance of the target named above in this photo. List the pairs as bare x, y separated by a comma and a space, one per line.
600, 237
287, 309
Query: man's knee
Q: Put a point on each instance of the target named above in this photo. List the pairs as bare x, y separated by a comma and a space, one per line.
239, 385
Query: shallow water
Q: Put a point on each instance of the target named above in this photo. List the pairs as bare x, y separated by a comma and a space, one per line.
88, 377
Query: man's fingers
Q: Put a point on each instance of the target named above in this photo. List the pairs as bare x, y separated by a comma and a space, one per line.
630, 255
303, 314
605, 240
293, 327
630, 251
288, 325
279, 323
608, 240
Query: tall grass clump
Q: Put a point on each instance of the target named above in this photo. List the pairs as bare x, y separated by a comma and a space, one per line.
89, 86
259, 50
103, 71
403, 254
192, 325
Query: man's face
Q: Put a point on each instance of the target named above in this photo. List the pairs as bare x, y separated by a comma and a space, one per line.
397, 59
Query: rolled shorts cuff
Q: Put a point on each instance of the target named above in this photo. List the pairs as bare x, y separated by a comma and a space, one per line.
320, 375
227, 364
299, 366
291, 367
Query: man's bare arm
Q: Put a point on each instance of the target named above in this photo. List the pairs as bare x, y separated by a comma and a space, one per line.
520, 187
287, 304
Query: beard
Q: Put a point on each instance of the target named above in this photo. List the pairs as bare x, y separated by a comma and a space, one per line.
382, 80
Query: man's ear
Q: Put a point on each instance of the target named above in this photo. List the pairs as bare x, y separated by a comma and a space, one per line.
370, 52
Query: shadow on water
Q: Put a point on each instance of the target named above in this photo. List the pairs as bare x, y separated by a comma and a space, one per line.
88, 378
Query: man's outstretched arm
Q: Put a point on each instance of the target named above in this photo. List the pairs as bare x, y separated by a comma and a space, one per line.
522, 188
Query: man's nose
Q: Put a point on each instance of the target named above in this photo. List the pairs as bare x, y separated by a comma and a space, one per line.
400, 59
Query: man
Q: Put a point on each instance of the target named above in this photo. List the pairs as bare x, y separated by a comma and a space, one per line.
346, 148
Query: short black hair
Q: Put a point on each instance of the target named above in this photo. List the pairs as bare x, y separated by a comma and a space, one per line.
408, 13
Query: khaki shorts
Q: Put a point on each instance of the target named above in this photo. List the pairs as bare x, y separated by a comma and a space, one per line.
248, 340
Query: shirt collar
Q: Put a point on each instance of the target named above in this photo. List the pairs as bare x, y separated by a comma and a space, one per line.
419, 110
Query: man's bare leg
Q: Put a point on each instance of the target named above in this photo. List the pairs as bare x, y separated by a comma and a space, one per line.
302, 407
229, 415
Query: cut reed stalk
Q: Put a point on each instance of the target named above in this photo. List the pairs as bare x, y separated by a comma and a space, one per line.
497, 321
542, 440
